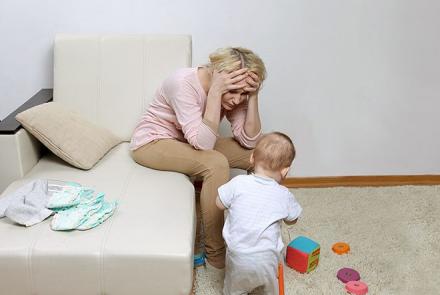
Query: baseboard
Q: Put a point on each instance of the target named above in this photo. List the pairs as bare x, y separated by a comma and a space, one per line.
379, 180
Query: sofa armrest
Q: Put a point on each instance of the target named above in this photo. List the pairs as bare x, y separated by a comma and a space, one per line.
20, 151
10, 126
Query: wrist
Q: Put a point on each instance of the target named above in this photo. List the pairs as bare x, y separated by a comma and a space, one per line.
214, 92
253, 96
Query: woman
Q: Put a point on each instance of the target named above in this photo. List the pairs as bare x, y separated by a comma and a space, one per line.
179, 130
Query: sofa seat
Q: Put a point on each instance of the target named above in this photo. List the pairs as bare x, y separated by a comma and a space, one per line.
146, 245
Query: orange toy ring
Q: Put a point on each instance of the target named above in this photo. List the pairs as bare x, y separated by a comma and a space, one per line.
341, 248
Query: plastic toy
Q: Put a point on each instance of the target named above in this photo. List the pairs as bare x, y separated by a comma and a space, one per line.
348, 274
341, 248
280, 278
303, 254
356, 287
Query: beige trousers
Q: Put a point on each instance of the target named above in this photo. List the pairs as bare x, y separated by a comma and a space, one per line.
213, 166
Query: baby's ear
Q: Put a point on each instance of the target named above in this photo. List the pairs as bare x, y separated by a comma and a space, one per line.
284, 172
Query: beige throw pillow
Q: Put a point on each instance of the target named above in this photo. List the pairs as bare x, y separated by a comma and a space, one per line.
68, 135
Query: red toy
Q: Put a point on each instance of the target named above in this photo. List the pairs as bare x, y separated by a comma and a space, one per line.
303, 254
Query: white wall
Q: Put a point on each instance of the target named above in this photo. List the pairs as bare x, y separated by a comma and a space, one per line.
355, 83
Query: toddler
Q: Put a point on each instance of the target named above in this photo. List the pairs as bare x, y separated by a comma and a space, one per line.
256, 204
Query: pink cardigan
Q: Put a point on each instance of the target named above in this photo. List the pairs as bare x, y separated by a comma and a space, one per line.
177, 112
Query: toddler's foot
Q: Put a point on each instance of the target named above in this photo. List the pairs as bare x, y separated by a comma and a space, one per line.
217, 261
214, 273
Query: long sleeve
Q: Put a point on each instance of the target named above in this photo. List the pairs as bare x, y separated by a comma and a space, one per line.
237, 118
188, 108
294, 209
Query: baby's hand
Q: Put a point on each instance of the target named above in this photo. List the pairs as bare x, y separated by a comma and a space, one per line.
291, 222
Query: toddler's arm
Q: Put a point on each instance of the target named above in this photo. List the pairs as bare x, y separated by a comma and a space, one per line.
219, 203
294, 210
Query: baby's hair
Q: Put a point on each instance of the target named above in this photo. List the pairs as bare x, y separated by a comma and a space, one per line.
223, 59
274, 151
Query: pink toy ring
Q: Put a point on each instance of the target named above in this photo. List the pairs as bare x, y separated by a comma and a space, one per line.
356, 287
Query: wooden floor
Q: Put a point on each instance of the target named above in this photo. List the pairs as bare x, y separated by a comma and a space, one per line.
359, 181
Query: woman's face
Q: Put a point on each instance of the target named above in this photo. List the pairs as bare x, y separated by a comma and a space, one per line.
233, 98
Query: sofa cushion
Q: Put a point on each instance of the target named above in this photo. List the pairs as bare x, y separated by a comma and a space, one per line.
68, 135
144, 248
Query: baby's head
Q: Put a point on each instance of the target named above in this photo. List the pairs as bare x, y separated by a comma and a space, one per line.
273, 154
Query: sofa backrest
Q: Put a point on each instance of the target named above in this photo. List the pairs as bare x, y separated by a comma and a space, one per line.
111, 79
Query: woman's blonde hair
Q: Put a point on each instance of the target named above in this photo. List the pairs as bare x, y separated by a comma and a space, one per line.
223, 59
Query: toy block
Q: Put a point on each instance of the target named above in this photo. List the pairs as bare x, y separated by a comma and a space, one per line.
303, 254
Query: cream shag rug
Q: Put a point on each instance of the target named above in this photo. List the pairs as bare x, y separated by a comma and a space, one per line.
393, 232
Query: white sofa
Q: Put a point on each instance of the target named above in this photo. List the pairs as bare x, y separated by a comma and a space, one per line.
146, 247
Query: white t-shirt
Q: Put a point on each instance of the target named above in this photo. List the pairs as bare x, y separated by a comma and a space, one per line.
256, 205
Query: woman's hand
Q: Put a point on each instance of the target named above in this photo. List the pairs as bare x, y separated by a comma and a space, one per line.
253, 84
223, 82
252, 124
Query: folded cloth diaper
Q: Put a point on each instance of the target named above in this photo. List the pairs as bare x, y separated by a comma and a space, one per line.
73, 217
63, 194
99, 216
76, 207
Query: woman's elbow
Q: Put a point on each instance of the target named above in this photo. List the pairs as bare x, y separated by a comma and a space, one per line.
245, 143
202, 146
